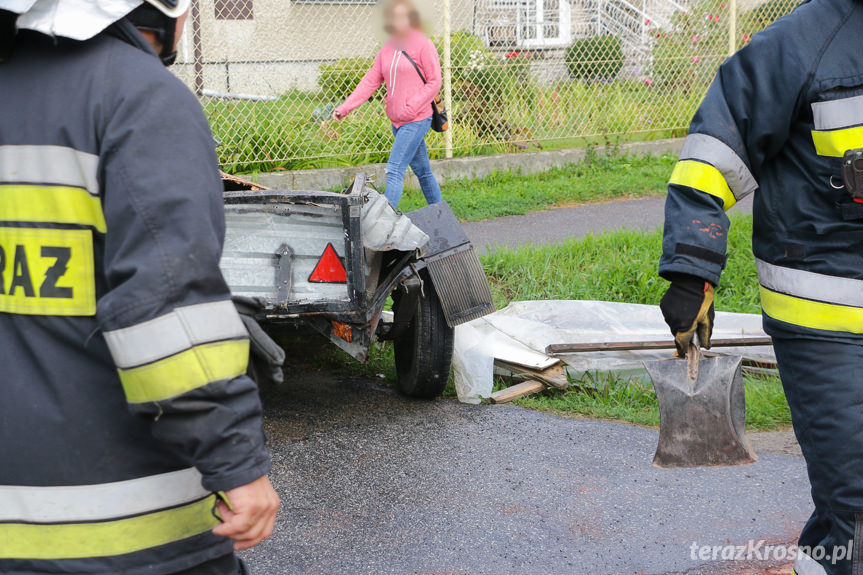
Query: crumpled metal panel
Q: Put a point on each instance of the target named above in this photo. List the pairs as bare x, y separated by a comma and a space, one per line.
385, 229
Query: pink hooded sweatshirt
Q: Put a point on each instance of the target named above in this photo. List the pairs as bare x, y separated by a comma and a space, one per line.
408, 99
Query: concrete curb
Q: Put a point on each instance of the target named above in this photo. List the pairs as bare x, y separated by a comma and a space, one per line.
458, 168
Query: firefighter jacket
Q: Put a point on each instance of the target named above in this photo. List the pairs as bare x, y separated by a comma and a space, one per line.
124, 404
777, 121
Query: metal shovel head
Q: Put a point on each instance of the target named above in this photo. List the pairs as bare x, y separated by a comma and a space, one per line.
702, 422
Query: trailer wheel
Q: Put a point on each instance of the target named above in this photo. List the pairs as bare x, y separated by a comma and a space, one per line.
423, 352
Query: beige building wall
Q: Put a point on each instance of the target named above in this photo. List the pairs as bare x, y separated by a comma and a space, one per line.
282, 46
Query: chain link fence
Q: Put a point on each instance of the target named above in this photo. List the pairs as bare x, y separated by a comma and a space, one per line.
518, 74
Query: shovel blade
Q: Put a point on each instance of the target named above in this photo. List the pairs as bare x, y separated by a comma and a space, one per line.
702, 422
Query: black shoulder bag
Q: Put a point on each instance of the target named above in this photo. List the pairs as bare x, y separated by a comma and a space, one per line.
440, 121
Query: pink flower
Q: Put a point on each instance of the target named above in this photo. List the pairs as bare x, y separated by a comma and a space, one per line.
658, 35
694, 39
710, 17
648, 81
716, 18
746, 37
696, 60
511, 55
722, 6
648, 22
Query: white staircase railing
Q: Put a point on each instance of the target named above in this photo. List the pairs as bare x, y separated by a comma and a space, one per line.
552, 24
629, 20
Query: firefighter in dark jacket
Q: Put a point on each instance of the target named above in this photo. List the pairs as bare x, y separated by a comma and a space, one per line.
778, 120
130, 436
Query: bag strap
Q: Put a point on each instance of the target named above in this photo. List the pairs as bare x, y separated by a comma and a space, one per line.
417, 68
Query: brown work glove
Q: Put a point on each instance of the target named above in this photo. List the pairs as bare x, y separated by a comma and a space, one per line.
687, 307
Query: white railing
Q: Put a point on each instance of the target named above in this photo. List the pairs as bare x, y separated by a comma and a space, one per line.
629, 20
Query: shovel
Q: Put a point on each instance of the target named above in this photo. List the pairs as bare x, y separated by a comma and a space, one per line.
702, 403
702, 410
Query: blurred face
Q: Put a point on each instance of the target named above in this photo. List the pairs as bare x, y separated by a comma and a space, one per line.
399, 20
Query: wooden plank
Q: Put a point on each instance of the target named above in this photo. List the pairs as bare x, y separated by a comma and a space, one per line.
559, 348
516, 391
554, 376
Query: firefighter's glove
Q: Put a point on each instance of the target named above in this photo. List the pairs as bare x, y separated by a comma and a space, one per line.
266, 357
687, 307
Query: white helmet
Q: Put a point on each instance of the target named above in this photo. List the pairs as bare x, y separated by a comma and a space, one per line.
81, 19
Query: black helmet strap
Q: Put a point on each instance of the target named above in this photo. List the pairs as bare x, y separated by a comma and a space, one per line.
146, 17
7, 33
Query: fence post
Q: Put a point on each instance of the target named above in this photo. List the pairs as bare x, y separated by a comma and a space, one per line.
732, 27
447, 76
197, 51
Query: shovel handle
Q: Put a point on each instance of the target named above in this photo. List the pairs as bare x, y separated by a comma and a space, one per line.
693, 358
560, 348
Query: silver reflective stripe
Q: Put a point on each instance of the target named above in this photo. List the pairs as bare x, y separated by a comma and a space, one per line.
806, 565
56, 165
77, 503
174, 332
718, 154
836, 114
810, 285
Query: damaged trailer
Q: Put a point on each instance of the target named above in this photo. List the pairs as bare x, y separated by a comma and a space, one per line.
334, 262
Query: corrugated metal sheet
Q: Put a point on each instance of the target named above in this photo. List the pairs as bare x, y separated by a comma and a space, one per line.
461, 286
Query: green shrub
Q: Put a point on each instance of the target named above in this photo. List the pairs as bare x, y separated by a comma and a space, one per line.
483, 86
760, 18
465, 47
687, 55
338, 80
597, 57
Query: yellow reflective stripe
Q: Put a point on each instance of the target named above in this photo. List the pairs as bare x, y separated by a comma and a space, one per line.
51, 204
704, 178
188, 370
835, 142
811, 314
47, 272
106, 538
173, 332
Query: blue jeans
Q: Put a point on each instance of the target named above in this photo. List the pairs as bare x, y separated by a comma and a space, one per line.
409, 149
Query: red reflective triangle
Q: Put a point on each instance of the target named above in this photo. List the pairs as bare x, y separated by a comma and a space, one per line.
330, 268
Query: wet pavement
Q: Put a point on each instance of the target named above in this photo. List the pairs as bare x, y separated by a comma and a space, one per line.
375, 483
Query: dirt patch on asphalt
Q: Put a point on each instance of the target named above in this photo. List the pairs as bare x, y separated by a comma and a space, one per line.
781, 442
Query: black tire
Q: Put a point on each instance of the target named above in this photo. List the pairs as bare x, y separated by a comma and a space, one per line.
424, 351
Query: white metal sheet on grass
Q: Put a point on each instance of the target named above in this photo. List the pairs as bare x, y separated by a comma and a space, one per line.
520, 333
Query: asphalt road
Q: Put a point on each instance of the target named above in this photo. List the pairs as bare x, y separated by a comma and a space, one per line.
558, 224
374, 483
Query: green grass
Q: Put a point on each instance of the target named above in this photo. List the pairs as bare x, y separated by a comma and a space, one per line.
293, 133
618, 266
635, 402
598, 178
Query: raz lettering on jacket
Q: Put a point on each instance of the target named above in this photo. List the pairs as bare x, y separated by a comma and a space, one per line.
46, 271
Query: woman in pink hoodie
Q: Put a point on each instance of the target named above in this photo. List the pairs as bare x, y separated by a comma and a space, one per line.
410, 67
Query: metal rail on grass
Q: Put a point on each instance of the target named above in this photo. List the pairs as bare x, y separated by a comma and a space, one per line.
560, 348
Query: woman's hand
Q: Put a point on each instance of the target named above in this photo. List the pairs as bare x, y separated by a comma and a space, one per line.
337, 115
